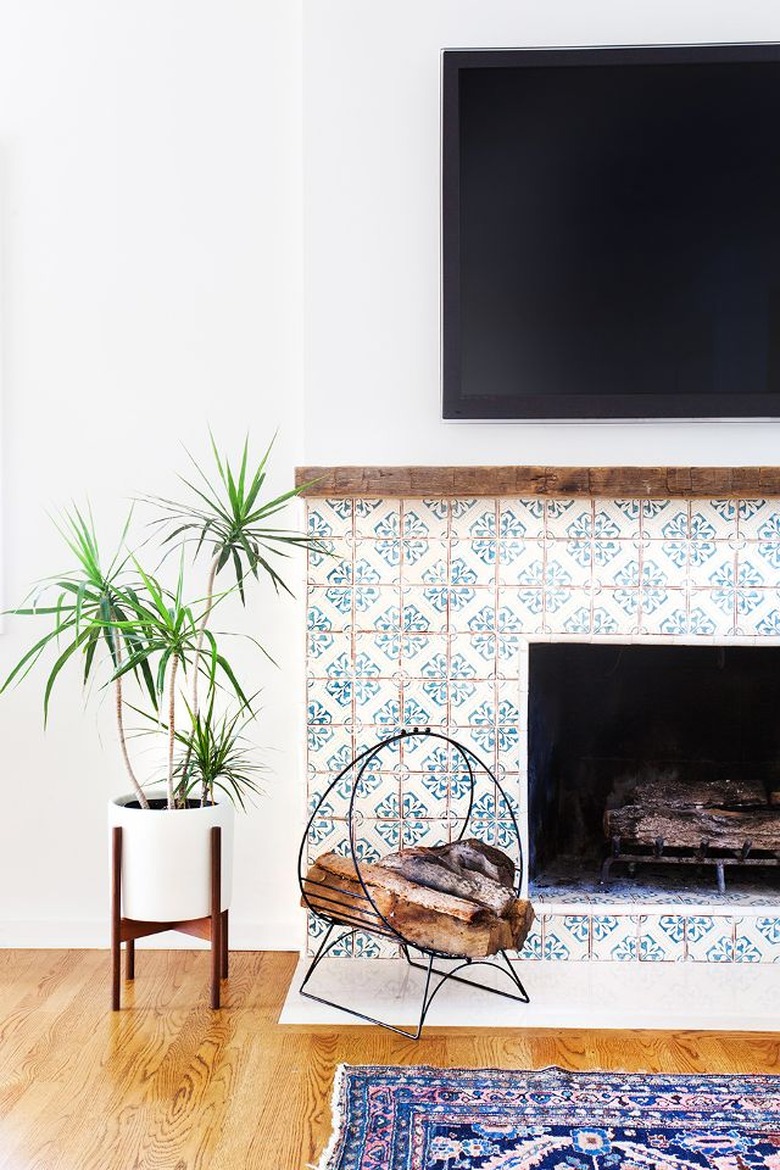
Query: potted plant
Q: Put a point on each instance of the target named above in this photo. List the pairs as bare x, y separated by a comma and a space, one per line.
138, 632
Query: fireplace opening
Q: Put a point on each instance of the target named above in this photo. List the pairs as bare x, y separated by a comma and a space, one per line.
675, 749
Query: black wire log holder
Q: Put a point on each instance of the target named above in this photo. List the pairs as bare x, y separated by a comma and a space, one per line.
363, 915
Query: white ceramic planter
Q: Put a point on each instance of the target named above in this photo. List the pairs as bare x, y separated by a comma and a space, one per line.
166, 859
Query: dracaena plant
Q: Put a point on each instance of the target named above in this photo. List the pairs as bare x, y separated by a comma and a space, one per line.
133, 628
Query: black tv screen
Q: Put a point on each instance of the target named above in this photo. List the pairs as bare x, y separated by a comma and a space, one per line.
611, 233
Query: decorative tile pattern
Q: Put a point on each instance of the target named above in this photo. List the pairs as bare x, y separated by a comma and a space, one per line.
661, 938
419, 613
614, 937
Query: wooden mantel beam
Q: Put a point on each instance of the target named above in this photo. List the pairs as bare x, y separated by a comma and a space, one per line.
601, 482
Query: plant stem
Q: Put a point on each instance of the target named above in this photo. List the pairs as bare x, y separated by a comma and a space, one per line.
202, 631
144, 803
172, 729
201, 635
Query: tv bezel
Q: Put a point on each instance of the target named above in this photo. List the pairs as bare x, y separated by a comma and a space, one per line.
575, 407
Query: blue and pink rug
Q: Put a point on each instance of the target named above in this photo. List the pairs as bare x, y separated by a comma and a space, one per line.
481, 1119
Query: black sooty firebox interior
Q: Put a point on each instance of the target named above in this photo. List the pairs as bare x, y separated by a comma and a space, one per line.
673, 749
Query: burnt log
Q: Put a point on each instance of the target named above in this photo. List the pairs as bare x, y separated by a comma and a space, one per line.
425, 897
689, 828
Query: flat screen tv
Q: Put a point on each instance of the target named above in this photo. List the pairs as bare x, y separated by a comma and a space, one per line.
611, 233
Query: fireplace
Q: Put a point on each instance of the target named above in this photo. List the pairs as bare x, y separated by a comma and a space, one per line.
444, 591
682, 728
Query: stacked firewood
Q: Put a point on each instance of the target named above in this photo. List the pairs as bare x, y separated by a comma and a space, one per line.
455, 899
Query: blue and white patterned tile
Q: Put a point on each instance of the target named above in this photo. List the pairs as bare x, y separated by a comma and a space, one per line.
373, 946
377, 607
615, 559
433, 798
568, 564
756, 612
443, 790
757, 939
425, 562
327, 705
377, 562
334, 570
329, 518
326, 552
566, 937
474, 611
705, 618
623, 515
711, 565
714, 519
327, 835
519, 612
763, 555
377, 518
763, 621
380, 646
423, 655
383, 712
759, 520
567, 611
518, 517
425, 518
473, 519
661, 938
428, 609
664, 613
471, 657
329, 754
615, 611
532, 948
520, 563
328, 607
328, 651
709, 938
665, 562
714, 607
665, 519
376, 794
614, 938
425, 703
568, 519
428, 756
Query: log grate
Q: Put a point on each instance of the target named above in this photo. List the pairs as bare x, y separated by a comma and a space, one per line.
632, 855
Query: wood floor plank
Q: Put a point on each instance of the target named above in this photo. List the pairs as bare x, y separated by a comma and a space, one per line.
167, 1084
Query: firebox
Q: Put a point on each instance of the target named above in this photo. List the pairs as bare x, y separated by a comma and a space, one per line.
655, 754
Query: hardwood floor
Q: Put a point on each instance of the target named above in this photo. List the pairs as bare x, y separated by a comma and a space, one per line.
167, 1084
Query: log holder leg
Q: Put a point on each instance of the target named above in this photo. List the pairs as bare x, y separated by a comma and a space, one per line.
213, 927
435, 977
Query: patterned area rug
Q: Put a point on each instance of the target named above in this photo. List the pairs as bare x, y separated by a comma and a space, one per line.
481, 1119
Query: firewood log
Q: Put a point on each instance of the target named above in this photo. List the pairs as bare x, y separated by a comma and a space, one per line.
474, 918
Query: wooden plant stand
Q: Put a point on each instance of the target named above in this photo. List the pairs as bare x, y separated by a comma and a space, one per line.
212, 927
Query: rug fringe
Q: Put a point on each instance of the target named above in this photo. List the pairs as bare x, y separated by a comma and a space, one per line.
338, 1120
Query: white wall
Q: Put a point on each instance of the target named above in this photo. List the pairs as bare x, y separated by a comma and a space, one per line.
371, 150
150, 230
151, 286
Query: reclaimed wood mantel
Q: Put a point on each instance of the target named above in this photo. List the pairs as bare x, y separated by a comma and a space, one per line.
601, 482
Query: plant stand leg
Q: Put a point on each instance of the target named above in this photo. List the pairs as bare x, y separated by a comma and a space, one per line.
116, 916
217, 958
130, 959
225, 959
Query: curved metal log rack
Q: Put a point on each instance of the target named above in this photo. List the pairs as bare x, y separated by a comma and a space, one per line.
365, 916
